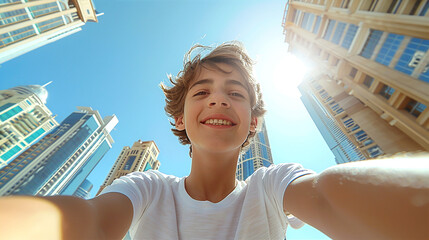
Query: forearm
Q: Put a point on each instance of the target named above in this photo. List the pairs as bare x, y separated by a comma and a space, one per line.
59, 217
380, 199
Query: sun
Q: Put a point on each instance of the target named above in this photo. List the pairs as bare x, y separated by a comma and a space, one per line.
280, 73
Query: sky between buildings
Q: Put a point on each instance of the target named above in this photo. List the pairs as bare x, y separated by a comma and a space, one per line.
115, 66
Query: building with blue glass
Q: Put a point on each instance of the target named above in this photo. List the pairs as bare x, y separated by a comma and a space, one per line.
84, 190
27, 25
368, 92
141, 157
257, 154
60, 162
24, 119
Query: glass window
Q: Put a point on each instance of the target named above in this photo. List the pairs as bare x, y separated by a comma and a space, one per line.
350, 35
12, 112
389, 48
129, 162
374, 151
17, 35
371, 43
353, 72
368, 81
415, 45
49, 24
339, 30
415, 108
329, 30
424, 9
317, 24
43, 9
15, 16
386, 92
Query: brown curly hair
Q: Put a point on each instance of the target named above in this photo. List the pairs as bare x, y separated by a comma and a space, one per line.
231, 53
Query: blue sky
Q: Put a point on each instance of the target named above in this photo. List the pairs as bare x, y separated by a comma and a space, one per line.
116, 65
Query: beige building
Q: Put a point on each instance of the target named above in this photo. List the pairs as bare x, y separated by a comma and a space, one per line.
142, 156
27, 25
369, 92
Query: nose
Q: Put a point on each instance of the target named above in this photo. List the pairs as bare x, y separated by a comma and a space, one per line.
218, 100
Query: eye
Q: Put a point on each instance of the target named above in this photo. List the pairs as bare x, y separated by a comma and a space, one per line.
237, 94
201, 93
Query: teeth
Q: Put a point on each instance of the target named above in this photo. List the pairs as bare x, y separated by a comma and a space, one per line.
218, 122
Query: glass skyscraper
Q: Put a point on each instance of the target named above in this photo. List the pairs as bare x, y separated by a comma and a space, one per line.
24, 119
27, 25
62, 160
83, 191
257, 154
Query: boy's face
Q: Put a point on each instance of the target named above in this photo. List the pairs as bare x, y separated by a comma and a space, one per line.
217, 111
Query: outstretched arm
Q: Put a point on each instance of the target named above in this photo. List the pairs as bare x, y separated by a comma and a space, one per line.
374, 199
64, 217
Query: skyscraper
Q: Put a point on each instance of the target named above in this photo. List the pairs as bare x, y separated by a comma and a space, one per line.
62, 160
142, 156
83, 191
27, 25
24, 119
368, 94
256, 155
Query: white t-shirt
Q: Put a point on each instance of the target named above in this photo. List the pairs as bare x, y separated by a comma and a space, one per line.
253, 210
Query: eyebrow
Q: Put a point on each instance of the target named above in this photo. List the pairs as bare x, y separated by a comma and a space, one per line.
210, 81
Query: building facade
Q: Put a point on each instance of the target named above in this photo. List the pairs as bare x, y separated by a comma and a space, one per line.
257, 154
27, 25
84, 190
63, 159
24, 119
369, 93
142, 156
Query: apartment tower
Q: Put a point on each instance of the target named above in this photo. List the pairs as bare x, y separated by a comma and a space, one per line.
142, 156
24, 119
27, 25
368, 90
60, 162
257, 154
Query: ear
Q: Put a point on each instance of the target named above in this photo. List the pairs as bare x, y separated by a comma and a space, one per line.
253, 124
179, 123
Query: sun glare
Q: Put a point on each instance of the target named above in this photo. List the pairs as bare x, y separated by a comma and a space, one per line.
282, 72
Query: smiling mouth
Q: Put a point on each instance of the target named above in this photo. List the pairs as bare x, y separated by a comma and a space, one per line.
219, 122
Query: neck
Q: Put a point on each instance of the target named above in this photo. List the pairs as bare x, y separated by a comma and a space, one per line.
212, 175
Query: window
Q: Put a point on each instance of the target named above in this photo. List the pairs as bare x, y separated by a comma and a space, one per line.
350, 35
368, 81
412, 55
371, 43
353, 72
374, 151
415, 108
328, 32
389, 48
317, 25
386, 92
339, 30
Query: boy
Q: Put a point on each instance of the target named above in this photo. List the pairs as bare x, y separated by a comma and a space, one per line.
215, 104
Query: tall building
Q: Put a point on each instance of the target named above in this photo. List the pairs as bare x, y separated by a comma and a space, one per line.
63, 159
24, 119
84, 190
257, 154
370, 91
27, 25
142, 156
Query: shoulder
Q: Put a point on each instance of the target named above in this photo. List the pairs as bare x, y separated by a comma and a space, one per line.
282, 171
142, 181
